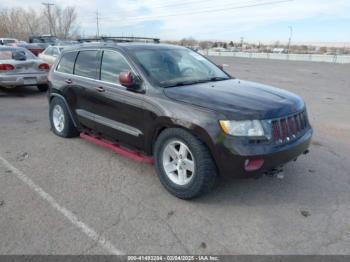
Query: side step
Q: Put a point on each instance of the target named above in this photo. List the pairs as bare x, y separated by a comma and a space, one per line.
117, 149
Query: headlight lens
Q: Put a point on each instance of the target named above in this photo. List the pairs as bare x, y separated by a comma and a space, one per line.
242, 128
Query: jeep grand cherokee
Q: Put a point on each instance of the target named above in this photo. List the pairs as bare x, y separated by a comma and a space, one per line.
169, 102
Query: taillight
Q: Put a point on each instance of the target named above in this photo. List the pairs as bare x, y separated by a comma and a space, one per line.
6, 67
44, 67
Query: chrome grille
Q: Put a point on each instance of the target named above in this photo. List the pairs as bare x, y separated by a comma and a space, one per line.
287, 128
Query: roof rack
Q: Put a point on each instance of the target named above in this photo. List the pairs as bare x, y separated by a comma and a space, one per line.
120, 39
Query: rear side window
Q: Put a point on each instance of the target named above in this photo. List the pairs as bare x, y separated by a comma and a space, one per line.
66, 64
55, 52
48, 51
112, 65
86, 64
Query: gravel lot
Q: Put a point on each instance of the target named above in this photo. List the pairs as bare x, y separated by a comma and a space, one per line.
66, 196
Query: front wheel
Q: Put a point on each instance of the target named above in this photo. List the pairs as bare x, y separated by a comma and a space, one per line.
184, 164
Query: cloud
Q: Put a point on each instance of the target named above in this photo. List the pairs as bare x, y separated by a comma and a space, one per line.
181, 18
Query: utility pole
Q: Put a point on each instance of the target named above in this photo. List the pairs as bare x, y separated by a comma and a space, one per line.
48, 6
242, 40
290, 37
97, 24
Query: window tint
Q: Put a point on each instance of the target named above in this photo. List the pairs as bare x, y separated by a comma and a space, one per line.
66, 64
48, 51
112, 65
55, 52
86, 64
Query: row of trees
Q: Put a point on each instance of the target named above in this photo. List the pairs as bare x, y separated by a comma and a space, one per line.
21, 23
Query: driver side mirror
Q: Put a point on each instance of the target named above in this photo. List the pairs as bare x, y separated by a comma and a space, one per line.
130, 81
222, 66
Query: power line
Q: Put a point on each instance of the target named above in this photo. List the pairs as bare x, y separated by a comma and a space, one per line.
198, 9
145, 18
227, 6
178, 4
151, 7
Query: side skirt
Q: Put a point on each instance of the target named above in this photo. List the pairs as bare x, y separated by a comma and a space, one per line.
134, 155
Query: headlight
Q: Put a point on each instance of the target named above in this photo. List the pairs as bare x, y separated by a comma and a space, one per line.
242, 128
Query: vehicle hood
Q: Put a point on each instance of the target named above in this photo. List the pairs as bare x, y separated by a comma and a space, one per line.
238, 99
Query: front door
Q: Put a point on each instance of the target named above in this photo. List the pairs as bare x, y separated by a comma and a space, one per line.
119, 113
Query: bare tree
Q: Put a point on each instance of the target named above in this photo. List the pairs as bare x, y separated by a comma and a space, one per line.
68, 21
21, 23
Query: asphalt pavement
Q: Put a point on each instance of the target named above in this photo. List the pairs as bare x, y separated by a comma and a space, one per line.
67, 196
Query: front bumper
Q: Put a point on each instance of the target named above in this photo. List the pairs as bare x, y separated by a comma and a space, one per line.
23, 79
232, 155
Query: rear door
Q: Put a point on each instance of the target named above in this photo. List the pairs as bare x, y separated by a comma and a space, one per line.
72, 87
55, 53
83, 86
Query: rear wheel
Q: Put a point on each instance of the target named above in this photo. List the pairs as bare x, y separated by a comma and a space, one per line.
43, 88
184, 164
60, 120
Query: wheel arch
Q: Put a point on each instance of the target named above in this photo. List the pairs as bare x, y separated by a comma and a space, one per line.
53, 95
193, 129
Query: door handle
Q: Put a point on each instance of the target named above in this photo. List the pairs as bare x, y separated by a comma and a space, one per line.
100, 89
68, 81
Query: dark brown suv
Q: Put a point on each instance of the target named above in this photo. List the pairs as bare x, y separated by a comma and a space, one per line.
172, 103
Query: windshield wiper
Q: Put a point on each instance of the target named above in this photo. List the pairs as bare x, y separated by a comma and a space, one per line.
218, 78
184, 83
191, 82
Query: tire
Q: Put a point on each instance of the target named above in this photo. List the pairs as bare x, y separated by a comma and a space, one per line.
204, 175
43, 88
67, 129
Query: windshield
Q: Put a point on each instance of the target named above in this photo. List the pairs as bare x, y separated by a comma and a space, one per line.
173, 67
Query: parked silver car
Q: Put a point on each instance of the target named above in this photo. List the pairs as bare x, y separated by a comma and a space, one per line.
50, 54
8, 41
20, 67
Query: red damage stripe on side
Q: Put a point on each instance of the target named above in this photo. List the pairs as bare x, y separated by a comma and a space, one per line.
117, 149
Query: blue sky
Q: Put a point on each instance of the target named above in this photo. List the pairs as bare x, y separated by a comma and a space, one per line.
255, 20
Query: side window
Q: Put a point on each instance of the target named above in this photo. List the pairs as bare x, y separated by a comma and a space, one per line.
48, 51
66, 63
55, 52
86, 64
112, 65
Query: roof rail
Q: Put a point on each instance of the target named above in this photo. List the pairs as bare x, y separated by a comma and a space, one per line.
119, 39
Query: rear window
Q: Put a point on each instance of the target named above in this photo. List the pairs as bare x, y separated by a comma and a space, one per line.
66, 63
86, 64
10, 53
